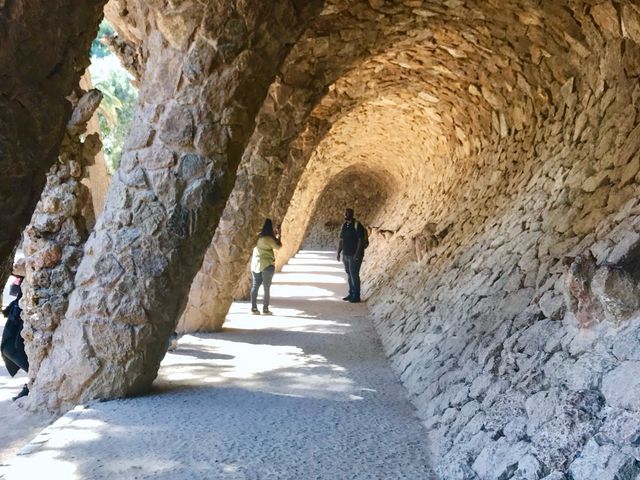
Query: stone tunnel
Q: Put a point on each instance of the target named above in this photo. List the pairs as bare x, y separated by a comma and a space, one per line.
492, 149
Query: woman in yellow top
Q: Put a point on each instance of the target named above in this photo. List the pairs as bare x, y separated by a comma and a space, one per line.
263, 266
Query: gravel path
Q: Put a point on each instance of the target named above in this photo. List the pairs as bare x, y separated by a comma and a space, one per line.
17, 427
305, 394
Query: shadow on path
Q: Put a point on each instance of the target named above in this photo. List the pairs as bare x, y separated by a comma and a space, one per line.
304, 394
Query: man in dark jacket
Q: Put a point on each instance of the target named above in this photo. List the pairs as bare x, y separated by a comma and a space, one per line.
351, 245
12, 345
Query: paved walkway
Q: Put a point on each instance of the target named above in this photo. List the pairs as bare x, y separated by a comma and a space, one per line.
16, 426
305, 394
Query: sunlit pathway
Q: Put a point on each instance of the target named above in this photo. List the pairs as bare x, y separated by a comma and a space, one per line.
305, 394
16, 426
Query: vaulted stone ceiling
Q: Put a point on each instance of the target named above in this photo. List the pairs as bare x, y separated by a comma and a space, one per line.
507, 135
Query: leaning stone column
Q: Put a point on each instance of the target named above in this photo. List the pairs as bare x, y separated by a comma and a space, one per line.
224, 273
44, 48
207, 75
225, 263
54, 239
95, 177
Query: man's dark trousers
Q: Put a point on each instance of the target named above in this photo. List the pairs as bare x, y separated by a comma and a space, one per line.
352, 267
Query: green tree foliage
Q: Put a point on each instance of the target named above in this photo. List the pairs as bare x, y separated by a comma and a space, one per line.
99, 49
119, 98
115, 113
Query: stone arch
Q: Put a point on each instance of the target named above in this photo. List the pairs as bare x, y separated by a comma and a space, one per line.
194, 118
287, 129
358, 187
540, 169
518, 148
401, 56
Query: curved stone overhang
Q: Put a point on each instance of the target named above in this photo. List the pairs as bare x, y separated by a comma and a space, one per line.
537, 127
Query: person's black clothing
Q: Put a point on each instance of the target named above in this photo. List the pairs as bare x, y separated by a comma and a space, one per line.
350, 235
12, 345
23, 393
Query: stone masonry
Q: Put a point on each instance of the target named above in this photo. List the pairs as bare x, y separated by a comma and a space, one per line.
356, 189
510, 308
54, 238
291, 122
207, 72
40, 65
503, 141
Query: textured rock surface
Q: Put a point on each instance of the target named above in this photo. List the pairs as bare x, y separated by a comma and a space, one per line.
96, 178
40, 65
519, 150
366, 194
54, 238
292, 120
207, 72
503, 265
223, 267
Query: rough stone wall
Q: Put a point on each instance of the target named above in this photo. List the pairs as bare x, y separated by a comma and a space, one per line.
478, 329
53, 240
207, 73
507, 379
521, 362
507, 134
40, 65
291, 122
347, 147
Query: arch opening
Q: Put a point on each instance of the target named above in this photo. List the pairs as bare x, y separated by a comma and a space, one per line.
510, 130
358, 187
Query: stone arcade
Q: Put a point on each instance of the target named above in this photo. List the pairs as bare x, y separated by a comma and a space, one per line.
499, 141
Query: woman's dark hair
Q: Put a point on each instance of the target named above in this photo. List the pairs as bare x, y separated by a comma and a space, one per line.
267, 229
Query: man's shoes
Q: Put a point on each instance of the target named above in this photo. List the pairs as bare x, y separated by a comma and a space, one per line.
23, 393
255, 311
266, 311
354, 300
347, 298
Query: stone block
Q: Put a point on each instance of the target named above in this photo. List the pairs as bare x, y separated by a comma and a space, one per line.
626, 247
630, 171
617, 292
601, 250
540, 409
592, 183
529, 468
604, 462
191, 167
140, 135
621, 386
480, 385
177, 28
177, 128
560, 422
631, 23
552, 305
626, 345
587, 371
606, 16
621, 427
516, 430
500, 459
